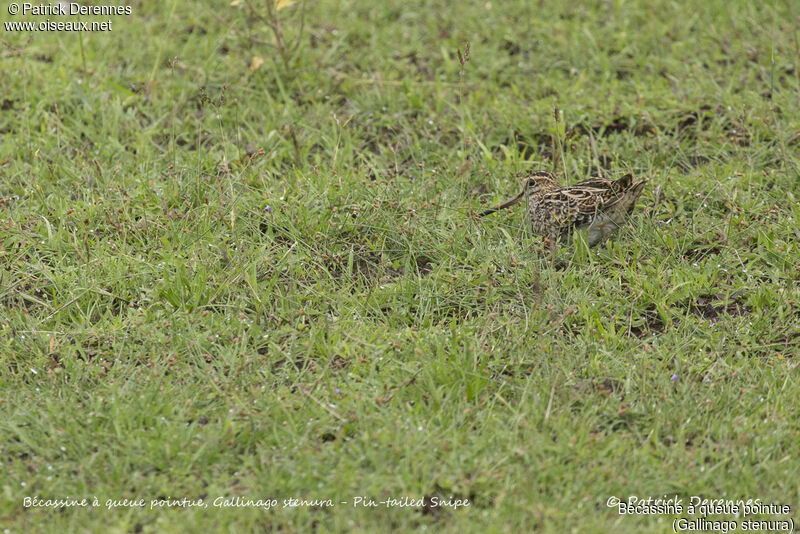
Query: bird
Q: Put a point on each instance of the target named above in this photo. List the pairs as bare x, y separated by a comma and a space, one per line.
598, 206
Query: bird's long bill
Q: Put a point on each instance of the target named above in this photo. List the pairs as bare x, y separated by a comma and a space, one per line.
504, 205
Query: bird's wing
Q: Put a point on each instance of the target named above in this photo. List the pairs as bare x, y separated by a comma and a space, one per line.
614, 188
571, 206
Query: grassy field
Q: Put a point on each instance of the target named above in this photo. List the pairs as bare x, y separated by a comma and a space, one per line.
239, 257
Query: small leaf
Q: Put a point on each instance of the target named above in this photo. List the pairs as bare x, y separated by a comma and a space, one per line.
256, 62
235, 3
280, 4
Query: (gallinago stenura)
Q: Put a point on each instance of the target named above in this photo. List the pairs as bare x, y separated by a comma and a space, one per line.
597, 205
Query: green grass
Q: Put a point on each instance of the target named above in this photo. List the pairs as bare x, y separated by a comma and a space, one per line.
270, 283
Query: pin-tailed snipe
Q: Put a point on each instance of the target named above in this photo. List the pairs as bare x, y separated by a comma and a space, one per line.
597, 205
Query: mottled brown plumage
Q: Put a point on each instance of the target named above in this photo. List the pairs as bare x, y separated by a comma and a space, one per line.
597, 205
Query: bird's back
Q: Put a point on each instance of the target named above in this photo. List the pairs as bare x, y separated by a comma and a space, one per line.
597, 205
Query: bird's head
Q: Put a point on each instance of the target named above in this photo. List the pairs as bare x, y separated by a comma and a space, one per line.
540, 182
